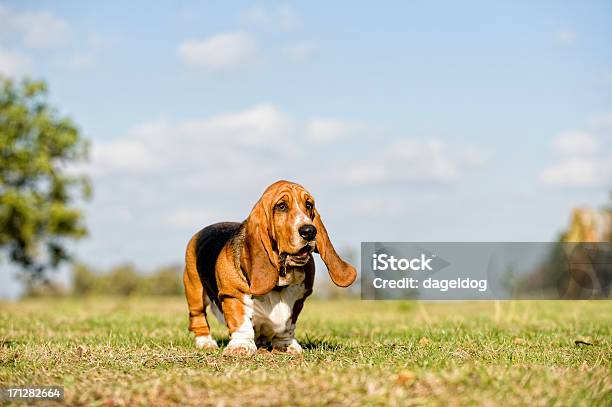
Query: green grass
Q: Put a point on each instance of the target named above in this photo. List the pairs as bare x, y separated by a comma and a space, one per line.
138, 352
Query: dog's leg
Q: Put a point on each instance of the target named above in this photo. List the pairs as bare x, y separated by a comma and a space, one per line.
238, 313
285, 341
197, 301
198, 324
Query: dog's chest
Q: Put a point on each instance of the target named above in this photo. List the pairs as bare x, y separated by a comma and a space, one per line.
272, 311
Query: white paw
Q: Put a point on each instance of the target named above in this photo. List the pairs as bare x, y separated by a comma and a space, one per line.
205, 342
240, 347
292, 347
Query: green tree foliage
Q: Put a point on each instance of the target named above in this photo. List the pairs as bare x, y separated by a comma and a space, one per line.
164, 281
125, 280
38, 213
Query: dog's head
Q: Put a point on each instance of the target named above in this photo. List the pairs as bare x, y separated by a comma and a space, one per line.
283, 229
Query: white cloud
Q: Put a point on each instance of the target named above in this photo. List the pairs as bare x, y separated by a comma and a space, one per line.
40, 29
257, 15
288, 19
283, 17
375, 205
566, 37
130, 156
578, 172
30, 31
261, 125
471, 156
368, 173
412, 161
602, 124
14, 63
81, 61
301, 51
575, 143
27, 30
222, 52
160, 145
325, 130
188, 218
263, 143
584, 157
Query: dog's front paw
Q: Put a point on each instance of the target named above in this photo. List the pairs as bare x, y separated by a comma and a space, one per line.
292, 347
240, 347
205, 342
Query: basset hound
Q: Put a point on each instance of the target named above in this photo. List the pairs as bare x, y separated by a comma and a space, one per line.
257, 274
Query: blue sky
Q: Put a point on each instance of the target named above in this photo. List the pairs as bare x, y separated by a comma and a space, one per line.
412, 121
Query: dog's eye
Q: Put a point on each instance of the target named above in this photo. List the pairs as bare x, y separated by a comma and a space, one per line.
308, 205
281, 206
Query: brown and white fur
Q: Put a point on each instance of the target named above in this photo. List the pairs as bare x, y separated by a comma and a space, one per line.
257, 274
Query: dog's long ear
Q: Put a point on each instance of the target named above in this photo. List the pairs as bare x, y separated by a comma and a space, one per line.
341, 273
261, 260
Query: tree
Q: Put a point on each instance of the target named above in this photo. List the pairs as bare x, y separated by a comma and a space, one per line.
39, 188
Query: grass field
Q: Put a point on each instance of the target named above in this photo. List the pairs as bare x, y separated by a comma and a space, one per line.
138, 352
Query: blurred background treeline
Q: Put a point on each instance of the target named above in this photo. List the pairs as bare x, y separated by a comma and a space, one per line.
575, 269
125, 280
554, 273
120, 280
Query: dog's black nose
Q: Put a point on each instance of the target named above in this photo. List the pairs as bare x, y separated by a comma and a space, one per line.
308, 232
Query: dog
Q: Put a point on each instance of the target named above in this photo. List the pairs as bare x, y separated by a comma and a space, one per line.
256, 275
